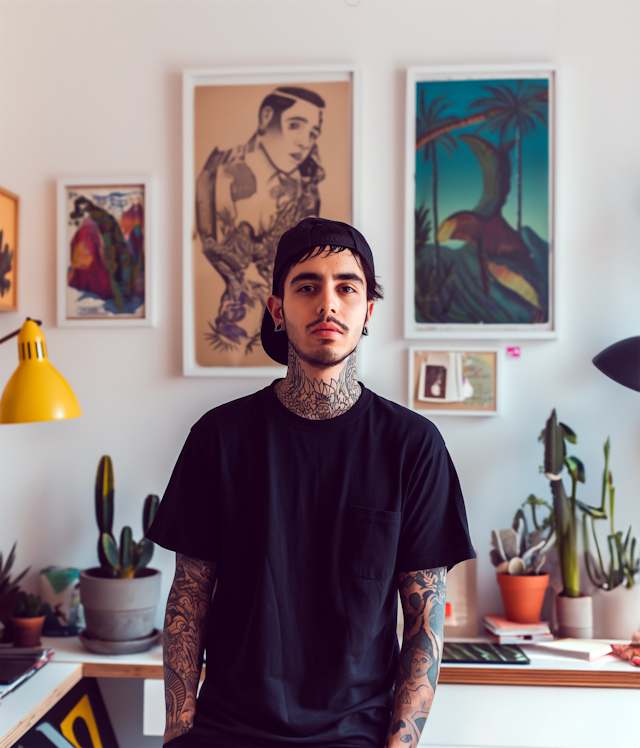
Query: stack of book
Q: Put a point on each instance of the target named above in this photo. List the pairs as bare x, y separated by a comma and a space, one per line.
499, 630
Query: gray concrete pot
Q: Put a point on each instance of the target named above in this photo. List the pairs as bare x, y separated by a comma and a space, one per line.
119, 609
575, 616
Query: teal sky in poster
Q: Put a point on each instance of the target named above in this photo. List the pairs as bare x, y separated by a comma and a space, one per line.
460, 178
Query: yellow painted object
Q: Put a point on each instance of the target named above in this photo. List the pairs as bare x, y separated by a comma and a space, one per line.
36, 391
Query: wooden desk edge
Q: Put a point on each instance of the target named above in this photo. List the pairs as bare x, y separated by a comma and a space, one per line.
36, 714
523, 676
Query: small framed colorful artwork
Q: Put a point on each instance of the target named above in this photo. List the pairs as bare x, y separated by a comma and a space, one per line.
105, 252
454, 382
9, 210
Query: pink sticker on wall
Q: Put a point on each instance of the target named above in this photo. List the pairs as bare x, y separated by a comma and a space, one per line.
513, 351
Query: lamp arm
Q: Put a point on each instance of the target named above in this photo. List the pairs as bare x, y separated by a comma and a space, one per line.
17, 332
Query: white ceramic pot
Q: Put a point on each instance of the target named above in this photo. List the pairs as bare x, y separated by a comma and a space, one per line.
575, 617
616, 614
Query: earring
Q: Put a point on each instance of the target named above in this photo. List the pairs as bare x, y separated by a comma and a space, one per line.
279, 327
365, 330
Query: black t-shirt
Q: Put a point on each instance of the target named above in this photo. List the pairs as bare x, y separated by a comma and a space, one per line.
309, 521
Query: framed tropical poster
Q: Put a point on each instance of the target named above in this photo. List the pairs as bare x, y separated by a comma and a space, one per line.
263, 149
9, 210
105, 252
460, 382
479, 253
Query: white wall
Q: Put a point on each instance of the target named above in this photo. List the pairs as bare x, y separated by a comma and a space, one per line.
93, 87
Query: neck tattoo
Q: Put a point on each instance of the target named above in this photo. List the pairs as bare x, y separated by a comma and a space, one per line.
316, 399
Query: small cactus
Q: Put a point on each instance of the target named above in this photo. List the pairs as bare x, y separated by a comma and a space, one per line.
126, 561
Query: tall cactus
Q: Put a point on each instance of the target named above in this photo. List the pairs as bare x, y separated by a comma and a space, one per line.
126, 561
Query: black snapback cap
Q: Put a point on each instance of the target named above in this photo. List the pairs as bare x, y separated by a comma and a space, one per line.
308, 234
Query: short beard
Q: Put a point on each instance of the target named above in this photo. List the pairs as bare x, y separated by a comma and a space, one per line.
323, 359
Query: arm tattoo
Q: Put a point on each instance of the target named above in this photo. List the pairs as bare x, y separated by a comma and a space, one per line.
316, 399
185, 625
423, 595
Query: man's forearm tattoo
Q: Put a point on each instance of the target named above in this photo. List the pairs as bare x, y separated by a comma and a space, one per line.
423, 595
316, 399
183, 639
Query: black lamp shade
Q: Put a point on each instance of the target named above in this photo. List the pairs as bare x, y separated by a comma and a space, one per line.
621, 362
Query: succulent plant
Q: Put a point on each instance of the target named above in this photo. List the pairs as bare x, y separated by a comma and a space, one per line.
28, 606
520, 552
127, 560
7, 584
623, 564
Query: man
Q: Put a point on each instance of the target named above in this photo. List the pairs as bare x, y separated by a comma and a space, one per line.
307, 506
247, 197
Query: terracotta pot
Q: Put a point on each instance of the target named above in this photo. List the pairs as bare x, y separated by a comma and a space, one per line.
27, 631
522, 596
575, 616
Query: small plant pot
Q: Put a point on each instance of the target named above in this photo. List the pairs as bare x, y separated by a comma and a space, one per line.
522, 596
27, 631
119, 609
616, 614
575, 616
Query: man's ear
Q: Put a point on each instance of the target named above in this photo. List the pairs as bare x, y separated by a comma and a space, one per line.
264, 119
274, 305
370, 305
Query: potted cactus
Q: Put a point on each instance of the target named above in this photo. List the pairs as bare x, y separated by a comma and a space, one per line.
9, 588
616, 603
27, 620
519, 555
121, 595
574, 609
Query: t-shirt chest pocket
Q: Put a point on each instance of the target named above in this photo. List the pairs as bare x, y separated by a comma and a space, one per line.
370, 542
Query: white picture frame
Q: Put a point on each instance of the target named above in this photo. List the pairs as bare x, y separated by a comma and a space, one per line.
106, 251
200, 86
484, 361
435, 103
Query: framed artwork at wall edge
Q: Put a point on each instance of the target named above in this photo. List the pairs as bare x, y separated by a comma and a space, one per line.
263, 149
454, 382
479, 248
105, 251
9, 218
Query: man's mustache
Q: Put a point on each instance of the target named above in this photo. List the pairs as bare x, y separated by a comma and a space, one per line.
327, 320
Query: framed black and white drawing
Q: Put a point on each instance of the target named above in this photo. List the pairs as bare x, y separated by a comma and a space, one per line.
263, 149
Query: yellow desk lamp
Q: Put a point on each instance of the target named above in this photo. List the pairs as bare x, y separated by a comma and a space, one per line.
36, 391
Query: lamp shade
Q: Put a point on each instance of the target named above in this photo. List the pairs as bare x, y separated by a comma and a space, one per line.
621, 362
36, 391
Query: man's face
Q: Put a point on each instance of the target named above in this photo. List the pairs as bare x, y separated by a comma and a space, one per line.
420, 665
300, 128
325, 308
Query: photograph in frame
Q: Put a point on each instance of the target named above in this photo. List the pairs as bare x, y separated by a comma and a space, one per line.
479, 219
454, 382
9, 212
263, 150
103, 252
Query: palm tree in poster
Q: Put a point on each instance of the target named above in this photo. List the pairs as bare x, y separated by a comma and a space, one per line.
516, 110
428, 120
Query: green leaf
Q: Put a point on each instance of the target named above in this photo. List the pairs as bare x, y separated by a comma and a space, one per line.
126, 551
110, 551
569, 434
104, 491
151, 504
576, 468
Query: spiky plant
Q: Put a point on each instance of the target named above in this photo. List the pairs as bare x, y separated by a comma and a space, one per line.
623, 564
28, 606
126, 561
7, 584
554, 436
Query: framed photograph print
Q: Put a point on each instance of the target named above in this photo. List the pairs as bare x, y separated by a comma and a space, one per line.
461, 382
105, 252
263, 149
9, 210
479, 252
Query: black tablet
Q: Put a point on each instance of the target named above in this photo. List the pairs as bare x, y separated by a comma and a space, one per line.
483, 654
13, 666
